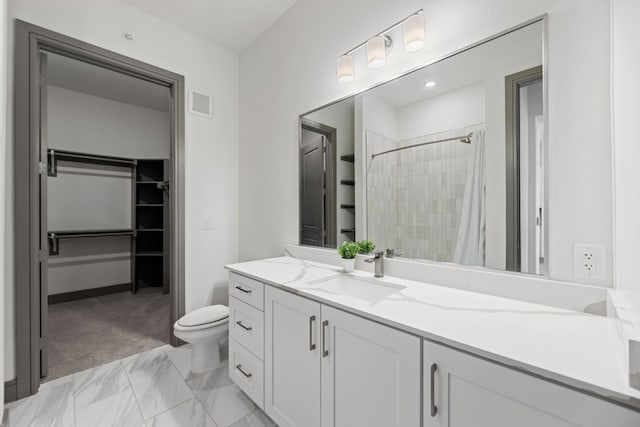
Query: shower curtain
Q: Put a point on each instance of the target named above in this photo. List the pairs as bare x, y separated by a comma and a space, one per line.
470, 245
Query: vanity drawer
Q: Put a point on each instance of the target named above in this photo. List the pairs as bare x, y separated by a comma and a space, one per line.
247, 290
246, 326
247, 371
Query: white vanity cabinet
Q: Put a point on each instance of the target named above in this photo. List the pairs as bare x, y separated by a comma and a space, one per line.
325, 367
461, 390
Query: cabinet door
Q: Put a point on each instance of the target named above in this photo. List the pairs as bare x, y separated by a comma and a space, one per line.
292, 359
472, 392
370, 373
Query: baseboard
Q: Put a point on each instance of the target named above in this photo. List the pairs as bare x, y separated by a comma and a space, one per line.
88, 293
5, 419
10, 391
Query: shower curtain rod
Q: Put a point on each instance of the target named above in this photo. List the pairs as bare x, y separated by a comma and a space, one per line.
465, 138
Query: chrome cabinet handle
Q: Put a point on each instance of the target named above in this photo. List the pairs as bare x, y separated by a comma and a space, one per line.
241, 289
246, 374
434, 408
325, 326
246, 328
312, 345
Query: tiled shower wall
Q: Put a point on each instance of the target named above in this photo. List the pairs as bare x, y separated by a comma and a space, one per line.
414, 196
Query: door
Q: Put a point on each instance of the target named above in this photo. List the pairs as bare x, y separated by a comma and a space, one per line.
292, 359
312, 176
471, 392
44, 241
370, 373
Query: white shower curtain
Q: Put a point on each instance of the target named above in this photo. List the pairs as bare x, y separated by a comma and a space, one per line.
470, 245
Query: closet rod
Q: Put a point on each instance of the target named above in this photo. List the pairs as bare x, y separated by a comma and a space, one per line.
73, 156
465, 138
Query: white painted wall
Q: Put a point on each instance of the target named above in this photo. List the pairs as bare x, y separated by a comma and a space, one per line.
298, 62
626, 110
211, 158
3, 162
80, 122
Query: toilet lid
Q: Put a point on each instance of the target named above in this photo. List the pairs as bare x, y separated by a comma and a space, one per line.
204, 316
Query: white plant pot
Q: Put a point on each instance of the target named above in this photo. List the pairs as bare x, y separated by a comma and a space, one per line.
348, 265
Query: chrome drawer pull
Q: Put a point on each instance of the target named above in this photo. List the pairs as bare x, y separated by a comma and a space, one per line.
312, 345
246, 328
239, 368
325, 326
244, 291
434, 408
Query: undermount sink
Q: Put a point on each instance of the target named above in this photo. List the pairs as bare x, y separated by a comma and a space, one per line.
356, 287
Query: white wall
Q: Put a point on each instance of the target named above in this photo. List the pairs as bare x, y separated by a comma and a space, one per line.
3, 162
626, 110
298, 62
80, 122
211, 158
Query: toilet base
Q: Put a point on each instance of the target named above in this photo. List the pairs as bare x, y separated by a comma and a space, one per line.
204, 357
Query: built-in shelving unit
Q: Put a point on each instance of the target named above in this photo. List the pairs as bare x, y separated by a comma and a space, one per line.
151, 225
348, 231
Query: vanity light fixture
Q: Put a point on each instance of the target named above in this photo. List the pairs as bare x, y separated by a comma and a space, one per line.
345, 69
380, 45
429, 84
414, 34
377, 51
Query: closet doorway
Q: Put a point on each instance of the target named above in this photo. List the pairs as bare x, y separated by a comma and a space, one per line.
99, 206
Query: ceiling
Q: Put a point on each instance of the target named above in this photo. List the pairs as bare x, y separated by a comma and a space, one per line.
234, 24
79, 76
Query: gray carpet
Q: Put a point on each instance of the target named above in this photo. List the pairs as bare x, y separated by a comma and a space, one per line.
94, 331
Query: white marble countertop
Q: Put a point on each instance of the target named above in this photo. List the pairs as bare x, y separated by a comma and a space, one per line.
580, 350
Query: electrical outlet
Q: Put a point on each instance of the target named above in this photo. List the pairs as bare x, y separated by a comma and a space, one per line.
588, 261
207, 224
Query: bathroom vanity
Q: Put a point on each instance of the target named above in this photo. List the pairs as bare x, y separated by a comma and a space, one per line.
313, 346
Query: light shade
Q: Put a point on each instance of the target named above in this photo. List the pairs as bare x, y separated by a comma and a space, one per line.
414, 34
345, 69
376, 52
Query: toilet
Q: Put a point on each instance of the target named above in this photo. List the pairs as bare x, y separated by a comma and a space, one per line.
205, 329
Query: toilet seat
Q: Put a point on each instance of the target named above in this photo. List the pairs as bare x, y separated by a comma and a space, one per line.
203, 318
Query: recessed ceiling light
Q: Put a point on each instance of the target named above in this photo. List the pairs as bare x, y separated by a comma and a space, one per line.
430, 84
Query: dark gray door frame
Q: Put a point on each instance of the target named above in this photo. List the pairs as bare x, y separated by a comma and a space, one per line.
512, 139
331, 172
29, 251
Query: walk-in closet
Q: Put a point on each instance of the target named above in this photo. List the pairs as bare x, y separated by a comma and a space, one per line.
108, 218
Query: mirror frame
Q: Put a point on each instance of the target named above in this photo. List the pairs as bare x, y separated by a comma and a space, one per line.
543, 19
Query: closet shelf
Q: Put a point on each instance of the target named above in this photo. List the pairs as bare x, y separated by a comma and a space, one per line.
149, 229
150, 204
73, 156
347, 182
347, 230
347, 206
348, 158
55, 236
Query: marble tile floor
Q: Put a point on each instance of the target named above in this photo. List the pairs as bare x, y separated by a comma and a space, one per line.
153, 389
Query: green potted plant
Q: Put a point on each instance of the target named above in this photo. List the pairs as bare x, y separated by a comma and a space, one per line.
348, 251
366, 246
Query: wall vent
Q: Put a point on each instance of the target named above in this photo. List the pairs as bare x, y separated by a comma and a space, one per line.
200, 103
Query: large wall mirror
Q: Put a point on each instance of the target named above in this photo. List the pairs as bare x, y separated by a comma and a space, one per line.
446, 163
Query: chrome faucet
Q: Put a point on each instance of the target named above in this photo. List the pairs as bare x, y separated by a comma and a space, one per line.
378, 260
